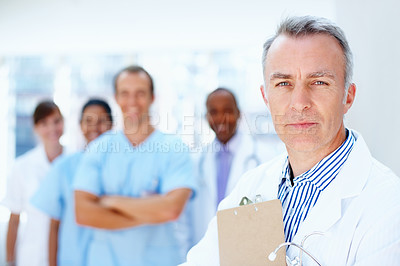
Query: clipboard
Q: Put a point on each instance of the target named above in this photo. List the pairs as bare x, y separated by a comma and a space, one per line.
249, 233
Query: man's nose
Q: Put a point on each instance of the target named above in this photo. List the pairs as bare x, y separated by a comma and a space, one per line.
132, 100
94, 124
220, 117
300, 99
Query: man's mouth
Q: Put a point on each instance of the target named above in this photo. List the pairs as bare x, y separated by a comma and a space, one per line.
221, 128
132, 114
302, 125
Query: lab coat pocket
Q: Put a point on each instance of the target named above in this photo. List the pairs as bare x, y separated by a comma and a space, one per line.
151, 187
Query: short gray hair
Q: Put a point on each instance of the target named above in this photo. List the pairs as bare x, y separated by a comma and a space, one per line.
309, 25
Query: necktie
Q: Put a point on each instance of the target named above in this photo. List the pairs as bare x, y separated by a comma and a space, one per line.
223, 168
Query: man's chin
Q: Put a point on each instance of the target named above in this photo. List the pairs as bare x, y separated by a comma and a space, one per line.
301, 142
224, 138
92, 137
131, 119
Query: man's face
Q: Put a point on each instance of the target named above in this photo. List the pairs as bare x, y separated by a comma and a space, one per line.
305, 91
222, 115
133, 95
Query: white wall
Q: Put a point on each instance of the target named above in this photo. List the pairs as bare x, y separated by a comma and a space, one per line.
373, 30
68, 26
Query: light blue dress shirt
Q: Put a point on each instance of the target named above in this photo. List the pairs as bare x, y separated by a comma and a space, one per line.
55, 198
113, 166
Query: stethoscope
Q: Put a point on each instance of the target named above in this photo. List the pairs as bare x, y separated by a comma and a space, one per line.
297, 261
250, 162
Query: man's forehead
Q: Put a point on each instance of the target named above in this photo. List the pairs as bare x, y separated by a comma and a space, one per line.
290, 52
127, 79
133, 75
314, 74
284, 37
221, 96
285, 43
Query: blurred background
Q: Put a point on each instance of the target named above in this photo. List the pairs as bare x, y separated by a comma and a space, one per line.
69, 50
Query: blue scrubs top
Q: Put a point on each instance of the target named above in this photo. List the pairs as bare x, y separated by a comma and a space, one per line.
55, 198
113, 166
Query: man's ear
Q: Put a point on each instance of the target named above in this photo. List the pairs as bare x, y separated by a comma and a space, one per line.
264, 95
351, 95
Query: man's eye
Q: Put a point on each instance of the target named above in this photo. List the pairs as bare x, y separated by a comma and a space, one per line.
320, 83
281, 84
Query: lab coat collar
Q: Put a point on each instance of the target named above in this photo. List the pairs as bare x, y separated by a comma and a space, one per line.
349, 183
232, 145
41, 156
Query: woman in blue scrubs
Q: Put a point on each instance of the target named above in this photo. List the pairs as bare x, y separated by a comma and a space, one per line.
68, 241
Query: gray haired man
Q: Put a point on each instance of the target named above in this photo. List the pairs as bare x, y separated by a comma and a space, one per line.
328, 181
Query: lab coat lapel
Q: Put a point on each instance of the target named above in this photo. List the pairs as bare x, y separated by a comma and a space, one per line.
237, 168
41, 156
349, 183
269, 176
210, 174
41, 162
269, 190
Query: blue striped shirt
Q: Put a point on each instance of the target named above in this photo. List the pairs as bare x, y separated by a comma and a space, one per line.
298, 200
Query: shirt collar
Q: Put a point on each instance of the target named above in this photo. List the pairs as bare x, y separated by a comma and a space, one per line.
41, 152
313, 175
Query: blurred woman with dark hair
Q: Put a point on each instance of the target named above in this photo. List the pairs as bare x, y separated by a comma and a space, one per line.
68, 241
27, 173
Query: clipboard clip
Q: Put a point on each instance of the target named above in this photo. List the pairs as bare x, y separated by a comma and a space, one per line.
246, 201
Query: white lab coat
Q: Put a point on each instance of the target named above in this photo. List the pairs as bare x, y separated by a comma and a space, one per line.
202, 209
359, 212
27, 173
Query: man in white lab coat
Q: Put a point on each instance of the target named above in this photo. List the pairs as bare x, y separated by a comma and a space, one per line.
221, 164
328, 182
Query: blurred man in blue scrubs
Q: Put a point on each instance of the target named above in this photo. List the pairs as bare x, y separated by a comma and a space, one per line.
68, 241
133, 185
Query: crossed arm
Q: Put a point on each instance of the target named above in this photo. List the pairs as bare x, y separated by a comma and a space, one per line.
118, 212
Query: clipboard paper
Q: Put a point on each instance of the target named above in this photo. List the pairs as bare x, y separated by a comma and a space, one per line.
249, 233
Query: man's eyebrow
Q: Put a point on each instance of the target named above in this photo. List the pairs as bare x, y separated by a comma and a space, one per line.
320, 74
279, 75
